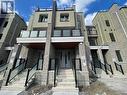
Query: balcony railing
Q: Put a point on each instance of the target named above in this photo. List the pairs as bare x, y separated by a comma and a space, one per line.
33, 34
16, 70
92, 32
76, 66
119, 67
53, 65
105, 67
67, 33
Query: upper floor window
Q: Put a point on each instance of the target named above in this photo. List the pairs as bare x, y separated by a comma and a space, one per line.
107, 23
93, 41
64, 17
43, 18
119, 57
1, 36
5, 24
112, 37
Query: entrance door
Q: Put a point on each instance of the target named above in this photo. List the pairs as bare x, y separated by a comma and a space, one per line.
65, 59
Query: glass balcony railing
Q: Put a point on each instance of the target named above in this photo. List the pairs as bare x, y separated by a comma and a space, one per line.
93, 32
56, 33
33, 34
67, 33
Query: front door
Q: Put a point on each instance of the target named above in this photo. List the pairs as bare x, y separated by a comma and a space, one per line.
65, 59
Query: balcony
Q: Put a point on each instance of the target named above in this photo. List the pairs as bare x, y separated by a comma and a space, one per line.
32, 37
67, 36
104, 47
92, 33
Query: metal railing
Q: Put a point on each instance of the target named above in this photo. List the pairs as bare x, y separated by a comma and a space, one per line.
93, 67
119, 67
40, 64
105, 67
30, 74
15, 71
53, 65
108, 67
76, 66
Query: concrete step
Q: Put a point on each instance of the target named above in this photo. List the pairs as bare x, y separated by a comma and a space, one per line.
66, 88
13, 88
65, 75
5, 92
66, 84
70, 72
17, 84
66, 80
65, 93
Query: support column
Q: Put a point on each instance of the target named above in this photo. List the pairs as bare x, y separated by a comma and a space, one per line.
100, 55
102, 71
42, 76
15, 54
84, 78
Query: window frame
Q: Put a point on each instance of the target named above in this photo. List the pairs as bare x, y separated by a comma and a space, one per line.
5, 24
64, 19
43, 18
118, 55
112, 37
107, 23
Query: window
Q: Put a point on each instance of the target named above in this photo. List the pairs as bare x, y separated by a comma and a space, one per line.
112, 37
5, 24
1, 36
43, 18
107, 23
64, 17
1, 21
33, 34
42, 33
66, 33
93, 41
76, 33
119, 57
57, 33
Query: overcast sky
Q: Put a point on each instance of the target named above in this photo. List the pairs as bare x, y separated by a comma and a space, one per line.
89, 7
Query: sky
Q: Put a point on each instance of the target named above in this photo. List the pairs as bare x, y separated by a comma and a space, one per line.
89, 7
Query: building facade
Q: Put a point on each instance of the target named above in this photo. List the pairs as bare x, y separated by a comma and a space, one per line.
57, 49
53, 46
107, 40
10, 27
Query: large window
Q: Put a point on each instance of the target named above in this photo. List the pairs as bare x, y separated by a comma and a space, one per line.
43, 18
42, 33
5, 24
112, 37
93, 41
57, 33
66, 33
76, 33
107, 23
1, 36
33, 34
119, 57
64, 17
